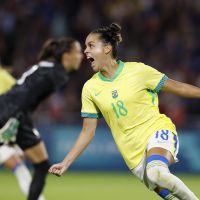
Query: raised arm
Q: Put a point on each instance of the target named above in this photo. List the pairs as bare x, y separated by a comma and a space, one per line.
181, 89
85, 137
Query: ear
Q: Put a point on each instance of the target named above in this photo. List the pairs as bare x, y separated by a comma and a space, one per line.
107, 48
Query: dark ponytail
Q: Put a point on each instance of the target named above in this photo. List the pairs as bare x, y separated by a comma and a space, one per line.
110, 34
53, 49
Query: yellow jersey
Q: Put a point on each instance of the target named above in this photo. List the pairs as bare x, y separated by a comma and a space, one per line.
6, 81
129, 104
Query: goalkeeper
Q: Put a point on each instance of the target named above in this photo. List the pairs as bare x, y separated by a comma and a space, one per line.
57, 58
11, 156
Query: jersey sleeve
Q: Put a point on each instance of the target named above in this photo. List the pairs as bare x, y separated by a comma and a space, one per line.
89, 108
152, 78
7, 81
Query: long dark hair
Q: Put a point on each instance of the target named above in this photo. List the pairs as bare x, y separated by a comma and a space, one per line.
53, 49
110, 34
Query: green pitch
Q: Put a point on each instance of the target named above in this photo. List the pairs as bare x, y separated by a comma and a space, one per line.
90, 186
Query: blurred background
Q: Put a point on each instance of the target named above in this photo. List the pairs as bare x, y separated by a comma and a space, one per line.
162, 34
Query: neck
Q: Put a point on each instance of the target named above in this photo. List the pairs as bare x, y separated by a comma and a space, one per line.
67, 67
109, 68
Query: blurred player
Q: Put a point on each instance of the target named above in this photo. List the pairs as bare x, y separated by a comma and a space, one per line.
11, 156
125, 93
57, 58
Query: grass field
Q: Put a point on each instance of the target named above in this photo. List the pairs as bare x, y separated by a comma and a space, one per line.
89, 186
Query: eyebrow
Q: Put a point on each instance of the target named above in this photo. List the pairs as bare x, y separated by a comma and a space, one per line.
89, 42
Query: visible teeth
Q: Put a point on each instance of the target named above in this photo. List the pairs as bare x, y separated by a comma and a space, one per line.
90, 58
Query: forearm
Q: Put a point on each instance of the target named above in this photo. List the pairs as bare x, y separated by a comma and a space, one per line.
82, 142
182, 89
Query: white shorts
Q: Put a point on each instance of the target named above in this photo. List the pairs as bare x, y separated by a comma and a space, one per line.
7, 151
163, 139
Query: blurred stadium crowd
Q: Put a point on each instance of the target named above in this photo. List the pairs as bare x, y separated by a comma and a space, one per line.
162, 34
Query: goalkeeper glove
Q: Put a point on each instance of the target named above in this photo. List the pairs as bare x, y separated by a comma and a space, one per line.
9, 131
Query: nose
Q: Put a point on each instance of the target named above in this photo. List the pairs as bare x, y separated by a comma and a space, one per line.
86, 50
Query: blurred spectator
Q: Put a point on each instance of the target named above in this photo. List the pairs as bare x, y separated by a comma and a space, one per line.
163, 34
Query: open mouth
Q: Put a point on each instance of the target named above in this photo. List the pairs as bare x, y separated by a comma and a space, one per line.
90, 59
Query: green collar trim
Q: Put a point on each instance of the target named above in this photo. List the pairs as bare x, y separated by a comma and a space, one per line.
117, 72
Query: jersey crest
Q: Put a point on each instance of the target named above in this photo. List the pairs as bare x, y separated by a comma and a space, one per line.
114, 94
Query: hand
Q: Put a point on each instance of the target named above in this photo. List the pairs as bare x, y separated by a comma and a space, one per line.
58, 169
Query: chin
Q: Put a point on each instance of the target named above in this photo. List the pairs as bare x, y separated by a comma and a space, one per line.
77, 67
95, 69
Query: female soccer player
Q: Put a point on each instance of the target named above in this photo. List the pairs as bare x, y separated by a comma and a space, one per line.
56, 60
125, 93
11, 157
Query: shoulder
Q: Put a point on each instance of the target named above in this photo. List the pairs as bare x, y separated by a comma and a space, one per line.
39, 67
91, 85
138, 67
46, 64
134, 65
53, 69
92, 81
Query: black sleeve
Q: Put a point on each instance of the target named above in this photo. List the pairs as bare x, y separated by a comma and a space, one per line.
36, 84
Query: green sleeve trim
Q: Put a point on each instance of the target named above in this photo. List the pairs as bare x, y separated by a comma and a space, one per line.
160, 84
91, 115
